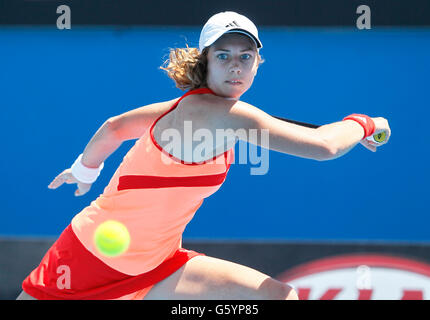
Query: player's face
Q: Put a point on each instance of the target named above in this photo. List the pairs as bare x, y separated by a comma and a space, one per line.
232, 65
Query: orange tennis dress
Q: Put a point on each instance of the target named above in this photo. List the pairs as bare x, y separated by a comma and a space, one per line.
152, 193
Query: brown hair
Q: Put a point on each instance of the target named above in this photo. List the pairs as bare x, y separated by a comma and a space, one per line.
187, 67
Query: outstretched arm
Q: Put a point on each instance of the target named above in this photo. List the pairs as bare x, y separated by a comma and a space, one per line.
320, 143
284, 136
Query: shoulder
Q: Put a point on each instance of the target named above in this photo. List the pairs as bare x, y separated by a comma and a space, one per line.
132, 124
148, 112
155, 110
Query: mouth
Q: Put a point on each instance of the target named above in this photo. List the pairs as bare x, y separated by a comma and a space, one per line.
234, 82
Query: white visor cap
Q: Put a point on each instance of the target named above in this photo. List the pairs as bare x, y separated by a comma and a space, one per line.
227, 22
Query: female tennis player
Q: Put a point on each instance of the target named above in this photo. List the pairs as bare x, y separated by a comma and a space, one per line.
155, 199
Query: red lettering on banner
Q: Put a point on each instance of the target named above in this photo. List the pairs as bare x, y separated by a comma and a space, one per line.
365, 294
303, 293
330, 294
412, 295
357, 270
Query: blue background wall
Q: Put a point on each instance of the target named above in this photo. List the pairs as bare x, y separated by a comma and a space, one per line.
58, 87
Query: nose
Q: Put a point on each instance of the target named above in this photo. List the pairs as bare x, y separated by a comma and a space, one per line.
234, 68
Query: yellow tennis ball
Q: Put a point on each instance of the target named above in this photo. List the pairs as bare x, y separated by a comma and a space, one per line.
111, 238
379, 137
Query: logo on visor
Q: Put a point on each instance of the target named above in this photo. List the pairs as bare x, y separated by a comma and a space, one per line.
233, 24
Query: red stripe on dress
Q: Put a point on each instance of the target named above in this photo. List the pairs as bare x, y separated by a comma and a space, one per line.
146, 182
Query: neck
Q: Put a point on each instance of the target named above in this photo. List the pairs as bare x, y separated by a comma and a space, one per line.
227, 98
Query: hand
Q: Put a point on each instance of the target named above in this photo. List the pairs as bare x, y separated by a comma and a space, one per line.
67, 177
381, 124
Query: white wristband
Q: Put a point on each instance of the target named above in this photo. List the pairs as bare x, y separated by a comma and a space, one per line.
84, 174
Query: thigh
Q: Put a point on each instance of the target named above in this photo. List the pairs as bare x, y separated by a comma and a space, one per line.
206, 278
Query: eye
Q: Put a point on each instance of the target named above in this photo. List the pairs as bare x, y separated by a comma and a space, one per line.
246, 56
222, 56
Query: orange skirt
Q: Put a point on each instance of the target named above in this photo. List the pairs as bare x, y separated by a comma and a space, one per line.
68, 271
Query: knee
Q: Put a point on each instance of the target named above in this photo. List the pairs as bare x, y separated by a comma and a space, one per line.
291, 293
278, 290
24, 296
